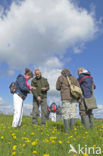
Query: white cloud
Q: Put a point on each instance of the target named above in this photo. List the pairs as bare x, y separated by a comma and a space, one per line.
9, 72
36, 30
5, 107
98, 113
1, 101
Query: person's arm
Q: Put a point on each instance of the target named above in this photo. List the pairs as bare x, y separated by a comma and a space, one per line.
34, 92
58, 84
46, 88
22, 84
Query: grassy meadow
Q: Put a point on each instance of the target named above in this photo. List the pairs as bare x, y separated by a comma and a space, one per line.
48, 140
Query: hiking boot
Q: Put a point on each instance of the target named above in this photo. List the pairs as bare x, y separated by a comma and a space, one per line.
86, 122
72, 122
91, 122
66, 125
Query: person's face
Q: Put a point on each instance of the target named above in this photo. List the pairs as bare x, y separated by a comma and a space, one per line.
38, 74
28, 77
79, 72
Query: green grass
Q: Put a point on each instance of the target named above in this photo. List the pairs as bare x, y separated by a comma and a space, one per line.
49, 140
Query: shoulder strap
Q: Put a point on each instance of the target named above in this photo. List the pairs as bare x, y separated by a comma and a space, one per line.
68, 80
84, 78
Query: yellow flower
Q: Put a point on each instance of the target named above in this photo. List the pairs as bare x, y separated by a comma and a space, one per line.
46, 155
46, 140
13, 153
53, 141
24, 145
85, 154
27, 140
34, 143
13, 134
14, 137
14, 147
74, 155
9, 143
34, 152
2, 137
32, 133
60, 142
70, 137
94, 146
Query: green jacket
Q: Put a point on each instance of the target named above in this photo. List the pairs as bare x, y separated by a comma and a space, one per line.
40, 83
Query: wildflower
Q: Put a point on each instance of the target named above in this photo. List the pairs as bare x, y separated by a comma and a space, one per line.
14, 137
24, 145
34, 143
14, 147
53, 141
13, 134
94, 146
60, 142
9, 143
46, 155
46, 140
32, 133
85, 154
13, 153
27, 140
34, 152
2, 137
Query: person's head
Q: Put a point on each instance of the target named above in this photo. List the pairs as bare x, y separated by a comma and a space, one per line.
28, 73
37, 73
82, 70
53, 103
65, 72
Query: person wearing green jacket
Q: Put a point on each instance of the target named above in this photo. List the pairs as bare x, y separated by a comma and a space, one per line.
39, 97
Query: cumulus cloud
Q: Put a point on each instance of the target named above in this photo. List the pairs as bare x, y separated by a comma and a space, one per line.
5, 106
9, 72
34, 30
98, 113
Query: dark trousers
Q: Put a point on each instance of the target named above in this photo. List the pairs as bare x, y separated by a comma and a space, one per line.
36, 113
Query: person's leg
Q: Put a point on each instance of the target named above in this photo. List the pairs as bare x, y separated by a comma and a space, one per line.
54, 116
65, 114
18, 102
43, 111
85, 119
91, 118
73, 113
21, 115
35, 112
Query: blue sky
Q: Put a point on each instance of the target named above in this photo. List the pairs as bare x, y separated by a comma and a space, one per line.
51, 40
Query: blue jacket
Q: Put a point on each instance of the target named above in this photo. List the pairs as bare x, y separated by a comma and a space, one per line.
21, 87
86, 84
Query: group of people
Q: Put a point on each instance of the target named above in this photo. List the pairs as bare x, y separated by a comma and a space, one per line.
39, 88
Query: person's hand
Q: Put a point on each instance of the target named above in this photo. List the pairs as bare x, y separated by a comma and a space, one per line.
34, 88
43, 89
38, 98
79, 100
29, 91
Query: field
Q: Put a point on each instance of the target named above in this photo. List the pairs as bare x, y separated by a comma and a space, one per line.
49, 140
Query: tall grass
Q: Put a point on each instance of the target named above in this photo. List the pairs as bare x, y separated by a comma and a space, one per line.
48, 140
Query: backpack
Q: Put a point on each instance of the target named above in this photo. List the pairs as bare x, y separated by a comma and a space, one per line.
12, 87
75, 90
